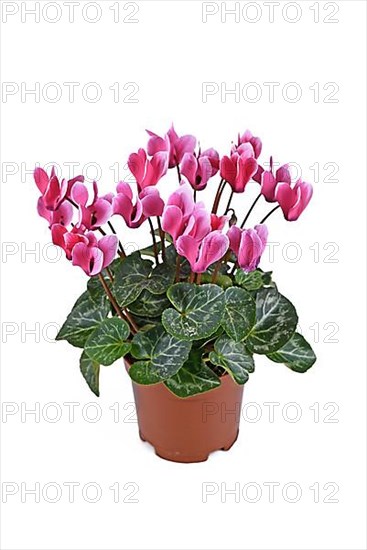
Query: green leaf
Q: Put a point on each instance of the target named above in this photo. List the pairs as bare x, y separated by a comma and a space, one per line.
96, 290
253, 280
130, 278
135, 274
149, 305
161, 355
198, 313
239, 313
276, 321
141, 373
90, 371
82, 320
107, 343
233, 357
194, 377
296, 354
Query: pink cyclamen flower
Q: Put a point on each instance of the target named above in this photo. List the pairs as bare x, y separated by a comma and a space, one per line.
199, 169
248, 245
62, 215
53, 192
293, 200
269, 182
199, 223
148, 204
175, 145
239, 168
148, 171
205, 253
67, 239
97, 212
247, 137
178, 209
94, 256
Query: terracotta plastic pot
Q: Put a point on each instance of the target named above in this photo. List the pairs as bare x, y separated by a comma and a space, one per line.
188, 430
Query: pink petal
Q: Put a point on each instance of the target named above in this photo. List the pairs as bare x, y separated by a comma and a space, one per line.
268, 184
212, 249
102, 211
172, 221
286, 197
123, 206
188, 247
136, 164
156, 144
234, 234
185, 144
108, 245
79, 194
57, 233
42, 210
189, 166
205, 172
262, 232
228, 170
283, 174
184, 199
124, 187
152, 203
41, 178
51, 196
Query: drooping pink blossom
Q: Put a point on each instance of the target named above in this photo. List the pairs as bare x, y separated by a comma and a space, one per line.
94, 213
269, 181
247, 137
203, 254
198, 169
53, 191
178, 209
218, 222
148, 204
94, 256
62, 215
148, 171
293, 200
239, 168
248, 245
175, 145
67, 239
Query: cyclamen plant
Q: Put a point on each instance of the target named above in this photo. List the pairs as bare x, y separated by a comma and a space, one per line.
194, 306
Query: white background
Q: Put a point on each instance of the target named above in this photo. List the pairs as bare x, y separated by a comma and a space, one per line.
169, 53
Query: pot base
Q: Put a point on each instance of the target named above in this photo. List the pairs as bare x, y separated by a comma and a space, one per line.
186, 459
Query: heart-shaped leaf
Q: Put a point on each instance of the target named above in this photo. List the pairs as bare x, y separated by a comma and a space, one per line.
296, 354
108, 343
85, 316
161, 355
239, 313
233, 357
135, 274
198, 313
194, 377
90, 371
149, 305
276, 321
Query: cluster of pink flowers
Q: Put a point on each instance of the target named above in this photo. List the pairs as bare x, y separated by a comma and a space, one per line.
199, 235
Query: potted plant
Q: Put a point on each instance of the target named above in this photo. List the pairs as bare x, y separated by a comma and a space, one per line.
189, 312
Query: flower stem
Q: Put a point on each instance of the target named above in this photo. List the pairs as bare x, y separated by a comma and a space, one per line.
120, 245
198, 278
155, 247
269, 214
178, 268
249, 212
229, 203
178, 172
162, 236
216, 271
123, 315
192, 277
218, 196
